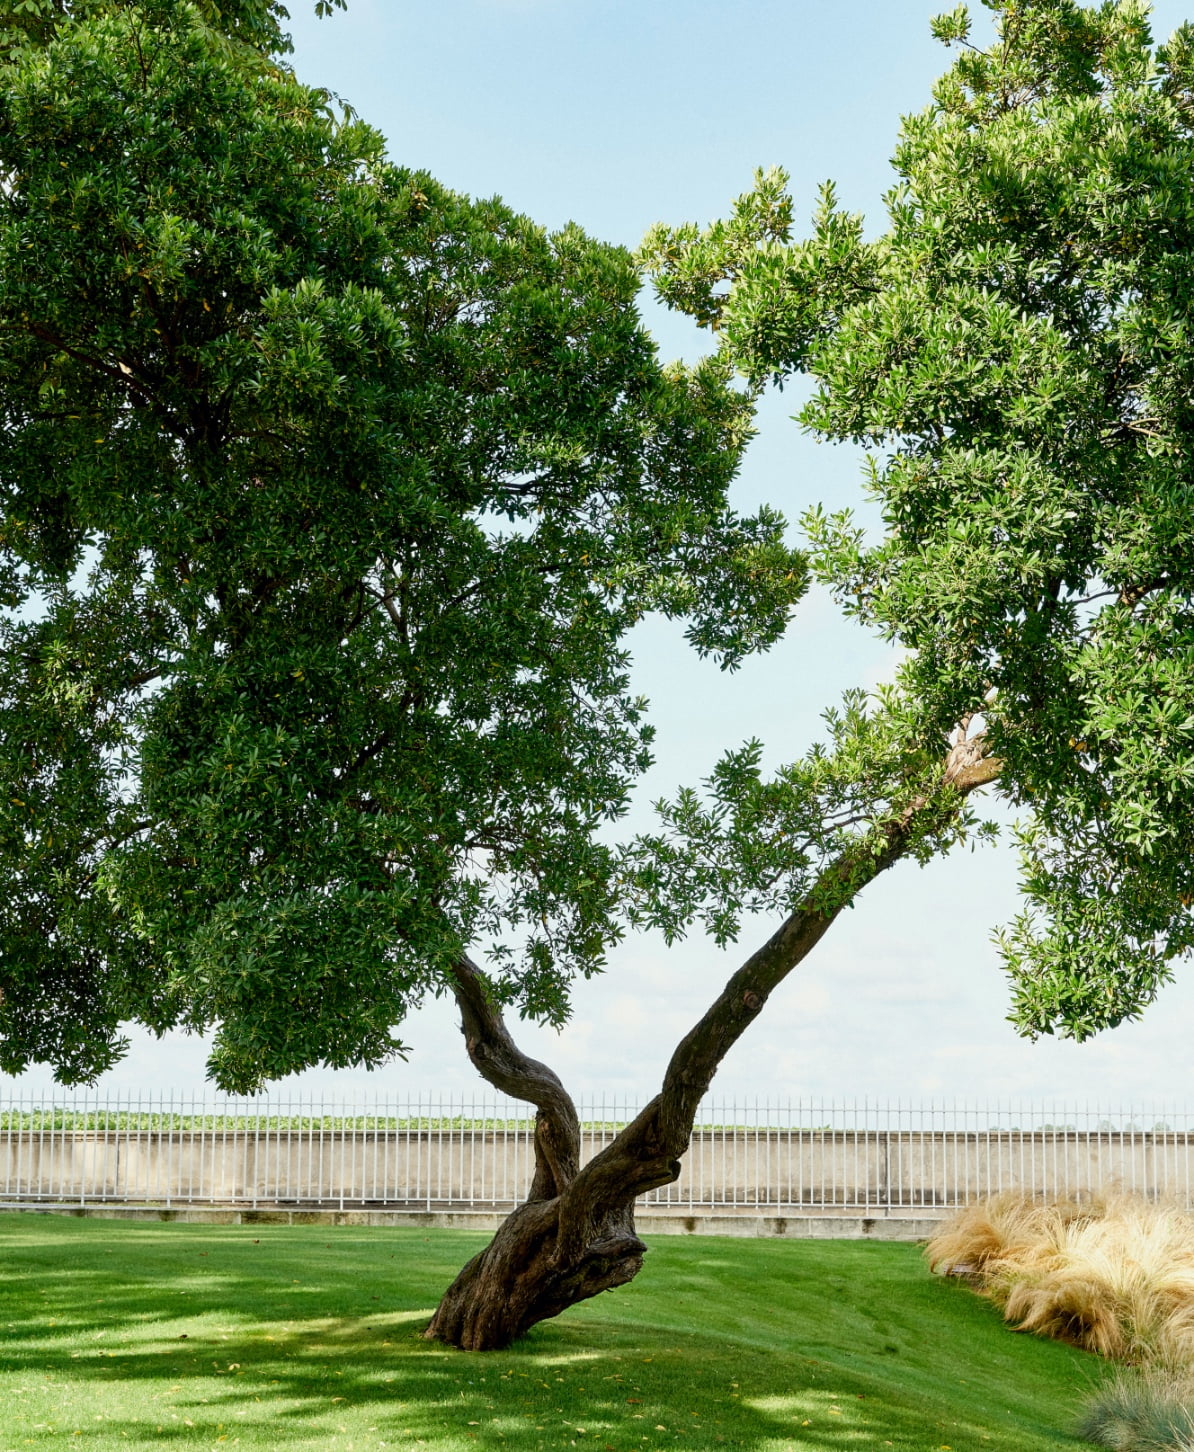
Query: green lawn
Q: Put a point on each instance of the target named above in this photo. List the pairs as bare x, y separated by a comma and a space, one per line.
123, 1334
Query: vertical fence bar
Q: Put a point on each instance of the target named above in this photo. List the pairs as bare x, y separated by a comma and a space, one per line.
342, 1125
424, 1152
31, 1159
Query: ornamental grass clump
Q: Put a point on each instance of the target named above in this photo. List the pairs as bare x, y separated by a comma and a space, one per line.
1115, 1275
1141, 1411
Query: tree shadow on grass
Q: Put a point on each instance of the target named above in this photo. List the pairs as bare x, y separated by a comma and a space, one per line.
287, 1339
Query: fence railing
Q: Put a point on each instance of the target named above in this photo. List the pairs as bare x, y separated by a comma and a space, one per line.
782, 1157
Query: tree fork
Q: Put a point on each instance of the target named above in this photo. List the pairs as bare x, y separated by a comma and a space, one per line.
544, 1257
575, 1236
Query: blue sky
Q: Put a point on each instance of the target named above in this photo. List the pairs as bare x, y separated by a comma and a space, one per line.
616, 114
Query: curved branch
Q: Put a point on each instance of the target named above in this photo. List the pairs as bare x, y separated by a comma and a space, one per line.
562, 1248
499, 1060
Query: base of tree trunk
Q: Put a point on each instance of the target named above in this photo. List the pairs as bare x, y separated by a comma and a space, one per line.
533, 1269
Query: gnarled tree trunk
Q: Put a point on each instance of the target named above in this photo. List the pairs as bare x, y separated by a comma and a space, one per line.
575, 1235
559, 1247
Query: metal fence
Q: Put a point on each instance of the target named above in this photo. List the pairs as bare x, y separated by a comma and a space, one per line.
782, 1157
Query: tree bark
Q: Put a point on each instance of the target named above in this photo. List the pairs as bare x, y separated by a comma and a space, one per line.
575, 1237
543, 1258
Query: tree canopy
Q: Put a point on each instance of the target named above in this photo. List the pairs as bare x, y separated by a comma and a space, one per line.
1015, 353
326, 498
254, 28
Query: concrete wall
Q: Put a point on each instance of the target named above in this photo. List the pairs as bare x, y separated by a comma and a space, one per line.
779, 1170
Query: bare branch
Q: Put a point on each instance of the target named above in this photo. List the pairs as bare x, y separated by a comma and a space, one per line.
118, 372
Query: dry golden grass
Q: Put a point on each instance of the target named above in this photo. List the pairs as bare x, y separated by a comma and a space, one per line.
1115, 1276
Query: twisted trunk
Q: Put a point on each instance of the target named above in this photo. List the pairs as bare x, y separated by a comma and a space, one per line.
540, 1261
575, 1237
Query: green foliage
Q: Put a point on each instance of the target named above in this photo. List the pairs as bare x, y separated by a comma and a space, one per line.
326, 498
245, 26
750, 844
1015, 352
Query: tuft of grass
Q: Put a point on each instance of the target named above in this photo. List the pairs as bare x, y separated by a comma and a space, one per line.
1004, 1227
1115, 1276
118, 1334
1141, 1411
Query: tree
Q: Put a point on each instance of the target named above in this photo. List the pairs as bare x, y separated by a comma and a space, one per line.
1015, 353
328, 497
1017, 347
320, 723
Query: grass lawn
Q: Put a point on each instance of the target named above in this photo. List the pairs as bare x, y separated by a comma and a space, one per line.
123, 1334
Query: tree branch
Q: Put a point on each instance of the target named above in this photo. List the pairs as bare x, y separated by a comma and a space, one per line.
646, 1154
119, 373
1131, 595
499, 1060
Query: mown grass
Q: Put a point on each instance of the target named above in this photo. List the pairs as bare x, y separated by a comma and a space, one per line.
119, 1335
